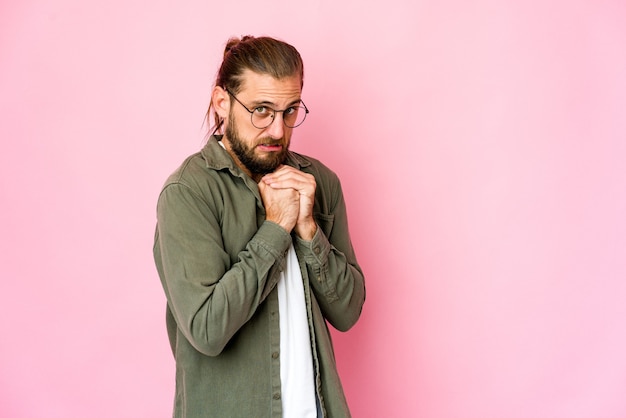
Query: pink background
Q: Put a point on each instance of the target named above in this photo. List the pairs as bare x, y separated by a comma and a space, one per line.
481, 146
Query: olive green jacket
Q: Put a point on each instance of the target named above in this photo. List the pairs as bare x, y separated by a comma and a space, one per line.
219, 261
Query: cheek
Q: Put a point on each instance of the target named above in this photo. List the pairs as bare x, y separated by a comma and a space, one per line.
248, 136
288, 133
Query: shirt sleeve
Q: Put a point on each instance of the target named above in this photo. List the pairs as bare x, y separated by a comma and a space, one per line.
334, 273
210, 296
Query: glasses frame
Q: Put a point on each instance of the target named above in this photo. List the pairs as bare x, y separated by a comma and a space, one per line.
274, 111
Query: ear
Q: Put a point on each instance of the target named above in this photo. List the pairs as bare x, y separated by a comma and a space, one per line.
221, 102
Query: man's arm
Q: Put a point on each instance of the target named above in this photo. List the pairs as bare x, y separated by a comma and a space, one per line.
334, 274
210, 298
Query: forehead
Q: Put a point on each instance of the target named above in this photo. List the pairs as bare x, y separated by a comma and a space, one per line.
264, 87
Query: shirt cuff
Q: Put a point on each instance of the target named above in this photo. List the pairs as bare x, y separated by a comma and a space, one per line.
273, 238
316, 250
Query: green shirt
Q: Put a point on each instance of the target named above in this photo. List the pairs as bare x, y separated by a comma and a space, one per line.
219, 261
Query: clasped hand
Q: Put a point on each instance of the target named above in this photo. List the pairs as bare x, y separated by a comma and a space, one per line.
288, 195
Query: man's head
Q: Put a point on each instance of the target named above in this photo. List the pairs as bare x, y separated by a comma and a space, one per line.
257, 77
261, 55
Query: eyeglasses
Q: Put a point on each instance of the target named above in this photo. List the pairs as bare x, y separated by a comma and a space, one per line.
263, 116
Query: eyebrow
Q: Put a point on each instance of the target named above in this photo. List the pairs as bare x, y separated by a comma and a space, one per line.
273, 105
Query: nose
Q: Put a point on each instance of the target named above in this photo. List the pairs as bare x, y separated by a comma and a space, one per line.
276, 130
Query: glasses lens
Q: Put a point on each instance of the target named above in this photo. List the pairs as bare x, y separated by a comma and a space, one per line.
294, 116
262, 117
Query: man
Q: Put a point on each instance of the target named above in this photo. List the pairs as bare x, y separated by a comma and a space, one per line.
253, 251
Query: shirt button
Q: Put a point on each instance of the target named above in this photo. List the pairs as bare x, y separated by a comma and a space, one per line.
277, 396
316, 250
319, 278
275, 355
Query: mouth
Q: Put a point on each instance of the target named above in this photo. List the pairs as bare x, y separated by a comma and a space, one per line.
270, 146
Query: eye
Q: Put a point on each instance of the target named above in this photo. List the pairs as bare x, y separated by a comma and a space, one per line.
290, 110
261, 110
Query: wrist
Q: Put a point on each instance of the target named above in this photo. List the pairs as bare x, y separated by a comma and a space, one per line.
306, 230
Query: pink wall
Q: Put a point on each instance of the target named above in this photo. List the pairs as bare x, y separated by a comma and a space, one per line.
481, 146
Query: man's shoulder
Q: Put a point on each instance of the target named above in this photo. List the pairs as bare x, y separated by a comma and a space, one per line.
187, 171
200, 164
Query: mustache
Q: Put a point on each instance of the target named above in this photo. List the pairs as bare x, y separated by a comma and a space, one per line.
271, 141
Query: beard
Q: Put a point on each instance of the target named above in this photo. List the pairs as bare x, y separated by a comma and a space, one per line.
245, 153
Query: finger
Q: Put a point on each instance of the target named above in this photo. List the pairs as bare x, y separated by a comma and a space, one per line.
290, 178
302, 185
278, 174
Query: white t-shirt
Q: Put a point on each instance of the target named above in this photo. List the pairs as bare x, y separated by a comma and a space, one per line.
296, 360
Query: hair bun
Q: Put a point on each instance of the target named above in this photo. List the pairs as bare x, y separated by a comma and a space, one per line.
234, 42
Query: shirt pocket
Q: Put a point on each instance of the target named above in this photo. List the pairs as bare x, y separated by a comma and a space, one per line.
325, 221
